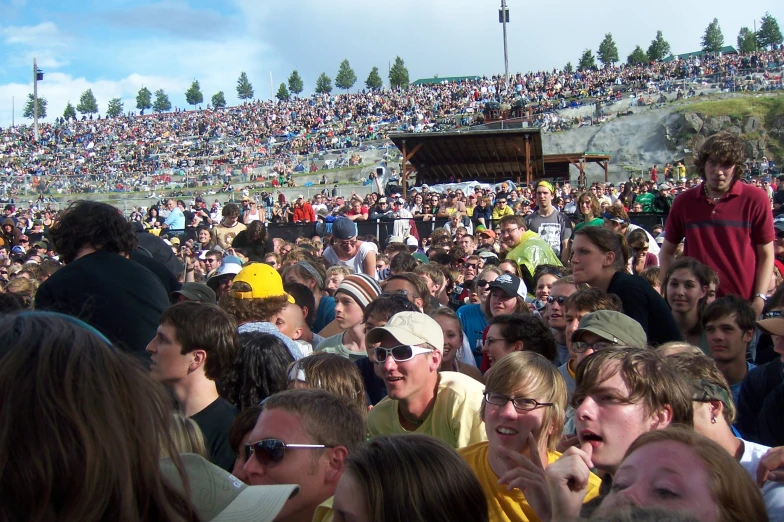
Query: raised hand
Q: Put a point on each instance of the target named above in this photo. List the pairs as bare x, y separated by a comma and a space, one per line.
527, 475
567, 482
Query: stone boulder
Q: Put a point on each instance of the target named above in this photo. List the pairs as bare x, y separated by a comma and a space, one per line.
751, 124
715, 124
755, 149
692, 123
734, 130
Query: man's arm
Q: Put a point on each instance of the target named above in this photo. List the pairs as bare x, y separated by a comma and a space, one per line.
565, 251
762, 274
667, 257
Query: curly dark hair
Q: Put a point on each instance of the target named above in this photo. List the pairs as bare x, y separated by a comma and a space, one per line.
536, 337
724, 148
257, 232
90, 223
259, 370
231, 210
252, 310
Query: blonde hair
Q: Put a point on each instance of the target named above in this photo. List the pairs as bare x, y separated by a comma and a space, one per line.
533, 376
339, 270
186, 435
331, 372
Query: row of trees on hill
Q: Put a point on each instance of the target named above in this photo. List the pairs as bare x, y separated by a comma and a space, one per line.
159, 102
345, 79
712, 41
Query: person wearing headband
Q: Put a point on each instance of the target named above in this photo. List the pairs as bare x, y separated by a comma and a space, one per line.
551, 225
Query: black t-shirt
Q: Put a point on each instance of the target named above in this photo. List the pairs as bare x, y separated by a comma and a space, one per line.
644, 305
778, 199
215, 421
119, 297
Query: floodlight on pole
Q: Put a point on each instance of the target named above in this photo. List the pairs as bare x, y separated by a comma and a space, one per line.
503, 18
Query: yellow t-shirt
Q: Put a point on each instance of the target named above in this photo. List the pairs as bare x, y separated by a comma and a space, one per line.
454, 418
498, 213
504, 505
324, 512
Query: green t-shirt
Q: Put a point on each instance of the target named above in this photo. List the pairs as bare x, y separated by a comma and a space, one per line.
646, 200
595, 222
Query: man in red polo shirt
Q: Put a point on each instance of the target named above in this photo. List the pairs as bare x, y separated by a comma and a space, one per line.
728, 225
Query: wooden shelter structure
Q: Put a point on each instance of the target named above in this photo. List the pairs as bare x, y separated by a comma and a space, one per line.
489, 156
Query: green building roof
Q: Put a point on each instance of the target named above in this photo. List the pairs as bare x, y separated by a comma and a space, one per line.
430, 81
727, 49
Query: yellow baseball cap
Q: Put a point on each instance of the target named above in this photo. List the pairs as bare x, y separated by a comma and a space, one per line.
264, 281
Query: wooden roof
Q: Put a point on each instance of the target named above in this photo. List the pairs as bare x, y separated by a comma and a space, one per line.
487, 155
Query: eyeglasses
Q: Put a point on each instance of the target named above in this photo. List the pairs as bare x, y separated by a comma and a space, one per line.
350, 242
552, 299
580, 346
471, 265
520, 403
401, 300
272, 451
508, 231
482, 283
490, 340
400, 353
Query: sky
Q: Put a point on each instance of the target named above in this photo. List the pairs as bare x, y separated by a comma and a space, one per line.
115, 47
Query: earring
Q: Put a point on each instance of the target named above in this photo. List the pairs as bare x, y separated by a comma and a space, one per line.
713, 420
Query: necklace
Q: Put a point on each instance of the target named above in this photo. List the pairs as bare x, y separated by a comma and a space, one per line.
415, 422
705, 189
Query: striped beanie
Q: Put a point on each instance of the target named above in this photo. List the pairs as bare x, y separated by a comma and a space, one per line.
362, 288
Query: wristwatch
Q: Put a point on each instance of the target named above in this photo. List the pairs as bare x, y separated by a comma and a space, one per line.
761, 296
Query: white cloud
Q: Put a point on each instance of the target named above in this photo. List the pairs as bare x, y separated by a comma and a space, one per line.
45, 33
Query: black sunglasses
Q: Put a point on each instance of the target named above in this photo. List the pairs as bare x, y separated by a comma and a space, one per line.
482, 283
400, 299
269, 451
560, 299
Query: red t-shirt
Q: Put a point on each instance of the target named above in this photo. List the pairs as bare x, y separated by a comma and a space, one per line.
724, 235
362, 211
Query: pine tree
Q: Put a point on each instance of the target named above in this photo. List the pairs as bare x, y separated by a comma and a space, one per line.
713, 40
29, 110
568, 68
218, 100
637, 57
769, 32
296, 85
398, 74
193, 95
283, 93
115, 108
69, 112
345, 78
374, 81
747, 40
87, 103
143, 99
587, 61
162, 103
608, 51
244, 87
323, 84
659, 48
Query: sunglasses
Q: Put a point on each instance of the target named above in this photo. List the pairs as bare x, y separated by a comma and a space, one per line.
482, 283
560, 299
400, 299
400, 353
472, 265
581, 346
272, 451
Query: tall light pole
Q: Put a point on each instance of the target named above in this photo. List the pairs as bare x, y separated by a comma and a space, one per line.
35, 100
503, 17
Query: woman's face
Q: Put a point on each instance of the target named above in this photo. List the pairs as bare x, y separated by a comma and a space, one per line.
496, 347
585, 206
543, 286
348, 313
509, 427
667, 475
204, 236
453, 339
271, 261
684, 291
500, 303
587, 260
508, 267
418, 199
484, 291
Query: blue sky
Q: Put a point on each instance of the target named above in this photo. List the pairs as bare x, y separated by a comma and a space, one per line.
117, 46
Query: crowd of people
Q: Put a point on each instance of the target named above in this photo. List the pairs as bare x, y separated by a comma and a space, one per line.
142, 152
511, 366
